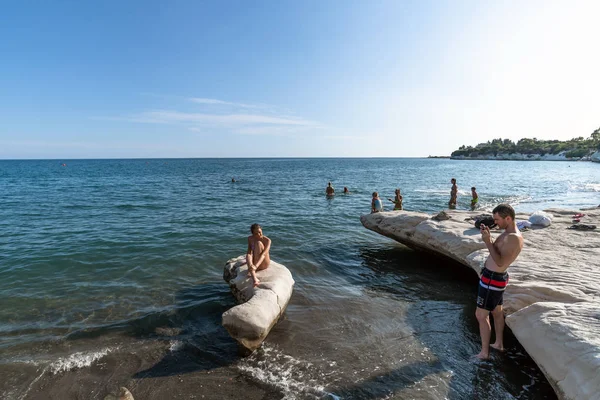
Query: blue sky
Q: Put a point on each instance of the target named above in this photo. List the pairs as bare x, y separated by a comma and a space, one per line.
292, 79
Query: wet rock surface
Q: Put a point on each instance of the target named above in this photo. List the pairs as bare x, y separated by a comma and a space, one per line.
553, 299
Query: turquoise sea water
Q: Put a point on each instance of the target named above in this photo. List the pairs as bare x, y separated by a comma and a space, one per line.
100, 254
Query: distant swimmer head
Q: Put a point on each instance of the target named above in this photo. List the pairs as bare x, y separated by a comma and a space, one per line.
397, 191
329, 184
473, 189
453, 181
375, 194
232, 179
346, 189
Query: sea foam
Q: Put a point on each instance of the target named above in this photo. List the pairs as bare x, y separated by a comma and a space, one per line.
77, 360
287, 374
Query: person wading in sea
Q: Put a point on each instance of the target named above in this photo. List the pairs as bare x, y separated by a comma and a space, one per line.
257, 255
397, 201
329, 190
475, 198
453, 194
494, 278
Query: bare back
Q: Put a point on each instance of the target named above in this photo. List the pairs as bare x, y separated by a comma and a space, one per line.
509, 245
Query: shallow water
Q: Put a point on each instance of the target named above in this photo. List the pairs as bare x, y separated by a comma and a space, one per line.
102, 260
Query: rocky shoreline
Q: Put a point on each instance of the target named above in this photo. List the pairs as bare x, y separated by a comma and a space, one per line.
530, 157
553, 298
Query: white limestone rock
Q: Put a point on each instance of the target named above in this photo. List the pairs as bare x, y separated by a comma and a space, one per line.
260, 308
124, 394
573, 359
523, 157
553, 298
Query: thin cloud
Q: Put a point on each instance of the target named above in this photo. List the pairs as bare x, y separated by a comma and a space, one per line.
272, 130
350, 137
82, 145
175, 117
45, 144
201, 100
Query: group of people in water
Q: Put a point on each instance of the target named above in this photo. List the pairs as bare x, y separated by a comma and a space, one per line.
377, 203
454, 196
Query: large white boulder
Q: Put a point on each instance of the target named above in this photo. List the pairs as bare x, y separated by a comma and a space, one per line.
553, 298
595, 157
260, 307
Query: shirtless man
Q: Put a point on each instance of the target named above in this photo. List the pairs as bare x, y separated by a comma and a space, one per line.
503, 251
453, 194
257, 255
329, 191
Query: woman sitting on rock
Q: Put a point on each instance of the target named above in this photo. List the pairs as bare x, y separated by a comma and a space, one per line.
257, 255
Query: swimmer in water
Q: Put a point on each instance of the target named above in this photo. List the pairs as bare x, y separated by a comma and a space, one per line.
329, 190
397, 201
453, 194
475, 198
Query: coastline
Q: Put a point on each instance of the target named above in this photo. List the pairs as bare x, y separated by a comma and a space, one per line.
595, 157
552, 298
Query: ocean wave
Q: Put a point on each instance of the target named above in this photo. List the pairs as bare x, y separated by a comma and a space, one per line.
77, 360
586, 187
136, 206
289, 375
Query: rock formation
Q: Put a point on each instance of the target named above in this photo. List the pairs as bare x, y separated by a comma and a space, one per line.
124, 394
553, 299
250, 322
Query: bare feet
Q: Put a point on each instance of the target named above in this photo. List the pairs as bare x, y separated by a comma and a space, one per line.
498, 347
482, 356
256, 282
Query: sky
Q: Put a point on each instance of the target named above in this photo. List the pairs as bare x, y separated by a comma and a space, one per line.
335, 78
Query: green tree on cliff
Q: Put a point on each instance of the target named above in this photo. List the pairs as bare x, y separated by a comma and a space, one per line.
576, 147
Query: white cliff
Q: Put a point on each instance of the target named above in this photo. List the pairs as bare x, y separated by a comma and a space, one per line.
553, 299
260, 307
523, 157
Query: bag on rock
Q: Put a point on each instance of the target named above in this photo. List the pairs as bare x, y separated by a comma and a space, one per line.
540, 218
486, 220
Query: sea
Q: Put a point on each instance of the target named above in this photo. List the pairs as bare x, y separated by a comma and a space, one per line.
111, 275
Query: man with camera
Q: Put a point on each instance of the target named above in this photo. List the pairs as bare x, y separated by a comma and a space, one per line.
494, 278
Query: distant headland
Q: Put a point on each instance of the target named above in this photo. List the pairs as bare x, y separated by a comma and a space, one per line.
576, 149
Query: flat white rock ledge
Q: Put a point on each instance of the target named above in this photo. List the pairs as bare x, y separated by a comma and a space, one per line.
260, 308
553, 298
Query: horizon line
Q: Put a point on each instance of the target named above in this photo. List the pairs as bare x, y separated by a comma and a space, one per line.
207, 158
